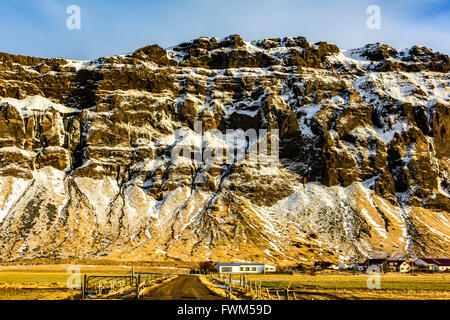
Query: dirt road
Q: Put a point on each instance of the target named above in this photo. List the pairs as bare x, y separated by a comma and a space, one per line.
183, 287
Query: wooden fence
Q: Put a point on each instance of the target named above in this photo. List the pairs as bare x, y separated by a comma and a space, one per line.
241, 285
118, 286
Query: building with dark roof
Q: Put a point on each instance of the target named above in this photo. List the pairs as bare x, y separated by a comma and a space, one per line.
244, 268
322, 265
434, 264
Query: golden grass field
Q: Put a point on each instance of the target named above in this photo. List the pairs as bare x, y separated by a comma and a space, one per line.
49, 282
352, 286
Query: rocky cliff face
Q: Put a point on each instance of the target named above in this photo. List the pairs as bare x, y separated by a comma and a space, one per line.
86, 166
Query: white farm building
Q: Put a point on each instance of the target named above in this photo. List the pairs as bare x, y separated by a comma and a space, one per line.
433, 264
244, 268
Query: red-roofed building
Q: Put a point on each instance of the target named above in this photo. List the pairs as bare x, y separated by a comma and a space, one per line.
434, 264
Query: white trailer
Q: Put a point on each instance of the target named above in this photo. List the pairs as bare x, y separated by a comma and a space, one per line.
239, 268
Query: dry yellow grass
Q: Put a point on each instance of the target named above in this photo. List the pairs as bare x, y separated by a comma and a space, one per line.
156, 285
62, 268
215, 289
49, 282
35, 291
330, 286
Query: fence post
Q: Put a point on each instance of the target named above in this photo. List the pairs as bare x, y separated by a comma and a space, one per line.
229, 287
295, 298
137, 286
287, 294
278, 296
84, 287
268, 294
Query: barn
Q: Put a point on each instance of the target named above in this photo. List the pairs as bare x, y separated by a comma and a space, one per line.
434, 264
375, 265
244, 268
393, 265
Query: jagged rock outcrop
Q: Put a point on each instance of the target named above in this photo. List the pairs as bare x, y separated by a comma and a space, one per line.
87, 170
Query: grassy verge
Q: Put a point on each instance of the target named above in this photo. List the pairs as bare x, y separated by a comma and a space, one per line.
49, 282
392, 286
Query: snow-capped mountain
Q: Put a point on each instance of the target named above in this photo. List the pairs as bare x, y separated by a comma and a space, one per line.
86, 165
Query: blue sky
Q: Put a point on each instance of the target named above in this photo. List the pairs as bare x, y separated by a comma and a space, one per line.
108, 27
